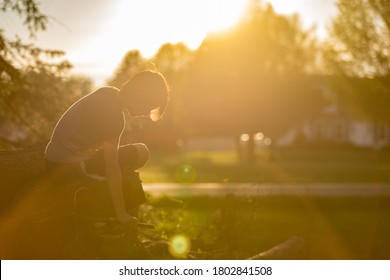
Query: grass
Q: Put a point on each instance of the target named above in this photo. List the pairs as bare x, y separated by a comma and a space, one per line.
333, 228
282, 166
227, 228
238, 228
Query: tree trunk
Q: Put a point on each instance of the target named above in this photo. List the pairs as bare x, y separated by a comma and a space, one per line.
250, 150
294, 248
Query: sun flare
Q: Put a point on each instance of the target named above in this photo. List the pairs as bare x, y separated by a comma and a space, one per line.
146, 25
224, 14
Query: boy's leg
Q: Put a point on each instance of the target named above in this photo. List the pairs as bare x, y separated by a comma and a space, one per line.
131, 157
133, 193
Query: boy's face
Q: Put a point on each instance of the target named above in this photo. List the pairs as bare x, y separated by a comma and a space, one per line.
141, 106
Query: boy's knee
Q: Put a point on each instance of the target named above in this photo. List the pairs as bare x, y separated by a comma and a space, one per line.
143, 154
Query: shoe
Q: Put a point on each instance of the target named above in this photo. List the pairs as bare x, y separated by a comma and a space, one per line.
109, 230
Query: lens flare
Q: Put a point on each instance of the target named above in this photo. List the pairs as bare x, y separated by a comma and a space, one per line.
185, 174
259, 136
179, 246
267, 141
244, 137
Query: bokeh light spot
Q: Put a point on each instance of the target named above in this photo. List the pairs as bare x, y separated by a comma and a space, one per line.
268, 141
185, 174
179, 246
259, 136
244, 137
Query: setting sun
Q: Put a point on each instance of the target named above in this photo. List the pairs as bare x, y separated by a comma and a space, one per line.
173, 21
96, 36
146, 25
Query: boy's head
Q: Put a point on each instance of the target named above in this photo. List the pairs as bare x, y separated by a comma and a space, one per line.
146, 94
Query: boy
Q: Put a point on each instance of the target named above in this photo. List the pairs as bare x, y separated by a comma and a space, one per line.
87, 136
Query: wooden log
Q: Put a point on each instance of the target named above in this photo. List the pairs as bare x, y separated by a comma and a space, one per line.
294, 248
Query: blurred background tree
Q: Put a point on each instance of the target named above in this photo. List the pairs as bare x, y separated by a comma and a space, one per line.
256, 77
260, 76
253, 78
357, 52
173, 60
35, 86
359, 40
131, 63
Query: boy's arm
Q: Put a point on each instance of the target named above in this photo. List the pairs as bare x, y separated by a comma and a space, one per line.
114, 181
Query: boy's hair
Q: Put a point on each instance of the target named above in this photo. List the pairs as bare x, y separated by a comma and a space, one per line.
151, 86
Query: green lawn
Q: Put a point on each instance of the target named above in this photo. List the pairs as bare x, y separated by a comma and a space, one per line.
333, 228
286, 166
220, 228
238, 228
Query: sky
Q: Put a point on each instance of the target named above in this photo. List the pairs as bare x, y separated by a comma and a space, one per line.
95, 34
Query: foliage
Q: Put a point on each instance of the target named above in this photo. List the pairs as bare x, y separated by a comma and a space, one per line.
172, 59
230, 227
263, 75
252, 78
131, 63
35, 87
357, 53
333, 227
18, 58
360, 39
362, 98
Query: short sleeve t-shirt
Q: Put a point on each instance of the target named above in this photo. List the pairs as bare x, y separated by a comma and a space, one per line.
86, 125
